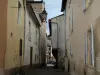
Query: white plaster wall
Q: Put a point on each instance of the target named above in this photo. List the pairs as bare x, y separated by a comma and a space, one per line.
61, 35
34, 40
54, 35
43, 42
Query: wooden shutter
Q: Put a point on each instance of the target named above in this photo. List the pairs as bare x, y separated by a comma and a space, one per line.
92, 44
70, 50
71, 19
86, 49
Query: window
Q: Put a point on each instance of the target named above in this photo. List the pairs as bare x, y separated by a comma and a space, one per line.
35, 57
29, 31
86, 4
71, 20
86, 50
65, 53
89, 50
19, 13
71, 51
69, 3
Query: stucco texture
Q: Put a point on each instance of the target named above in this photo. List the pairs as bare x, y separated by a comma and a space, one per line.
15, 32
82, 21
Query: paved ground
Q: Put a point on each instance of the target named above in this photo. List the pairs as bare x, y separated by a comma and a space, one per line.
50, 65
45, 71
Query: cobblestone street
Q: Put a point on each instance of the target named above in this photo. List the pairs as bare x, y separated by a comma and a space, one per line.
45, 71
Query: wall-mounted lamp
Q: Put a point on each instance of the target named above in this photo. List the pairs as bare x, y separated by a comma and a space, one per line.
43, 15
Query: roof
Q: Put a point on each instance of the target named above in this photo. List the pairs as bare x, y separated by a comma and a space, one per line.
35, 15
57, 16
30, 1
50, 24
63, 5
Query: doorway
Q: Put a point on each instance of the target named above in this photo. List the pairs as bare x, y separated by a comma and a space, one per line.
31, 54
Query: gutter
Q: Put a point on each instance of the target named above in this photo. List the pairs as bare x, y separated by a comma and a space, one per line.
34, 1
64, 2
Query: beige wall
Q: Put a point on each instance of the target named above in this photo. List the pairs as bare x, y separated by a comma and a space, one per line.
3, 32
12, 58
82, 21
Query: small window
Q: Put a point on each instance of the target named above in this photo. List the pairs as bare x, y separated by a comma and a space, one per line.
29, 31
35, 57
69, 3
19, 12
65, 53
71, 51
71, 21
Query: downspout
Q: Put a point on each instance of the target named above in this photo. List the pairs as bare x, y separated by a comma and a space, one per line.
24, 26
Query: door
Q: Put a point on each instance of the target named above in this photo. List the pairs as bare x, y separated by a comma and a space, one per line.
31, 54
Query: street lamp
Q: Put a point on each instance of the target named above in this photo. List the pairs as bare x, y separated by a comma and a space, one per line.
43, 15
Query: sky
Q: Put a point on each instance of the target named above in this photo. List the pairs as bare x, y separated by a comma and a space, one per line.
53, 8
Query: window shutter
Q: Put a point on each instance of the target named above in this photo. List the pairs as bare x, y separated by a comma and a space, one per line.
84, 4
92, 44
71, 19
86, 49
70, 50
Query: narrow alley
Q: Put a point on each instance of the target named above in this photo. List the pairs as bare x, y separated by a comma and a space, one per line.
45, 71
49, 37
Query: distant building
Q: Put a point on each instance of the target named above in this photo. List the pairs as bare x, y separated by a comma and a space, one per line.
57, 32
